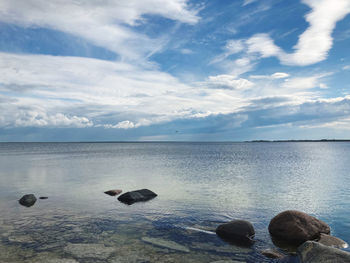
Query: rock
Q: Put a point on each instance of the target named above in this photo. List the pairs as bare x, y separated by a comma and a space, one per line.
239, 232
226, 248
331, 241
27, 200
95, 251
47, 257
314, 252
137, 196
295, 227
43, 197
165, 244
227, 261
21, 239
272, 253
113, 192
130, 258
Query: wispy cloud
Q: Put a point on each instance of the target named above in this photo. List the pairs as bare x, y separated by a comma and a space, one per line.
104, 23
313, 44
247, 2
227, 82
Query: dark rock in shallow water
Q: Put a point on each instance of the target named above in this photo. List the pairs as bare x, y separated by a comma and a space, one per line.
272, 253
137, 196
314, 252
239, 232
43, 197
27, 200
113, 192
295, 227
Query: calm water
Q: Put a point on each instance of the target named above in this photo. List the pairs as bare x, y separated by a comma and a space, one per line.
199, 186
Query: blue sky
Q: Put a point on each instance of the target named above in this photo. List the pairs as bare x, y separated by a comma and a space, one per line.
213, 70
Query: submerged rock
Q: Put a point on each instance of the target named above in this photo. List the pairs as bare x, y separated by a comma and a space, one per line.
314, 252
272, 253
113, 192
332, 241
227, 261
296, 227
43, 197
240, 232
47, 257
137, 196
27, 200
165, 244
95, 251
21, 239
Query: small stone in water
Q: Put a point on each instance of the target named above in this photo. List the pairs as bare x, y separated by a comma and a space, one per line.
27, 200
137, 196
43, 197
113, 192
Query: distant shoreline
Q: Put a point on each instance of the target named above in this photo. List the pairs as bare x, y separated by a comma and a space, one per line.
322, 140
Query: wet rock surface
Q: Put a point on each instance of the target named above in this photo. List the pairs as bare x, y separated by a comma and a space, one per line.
332, 241
27, 200
296, 227
314, 252
95, 251
240, 232
272, 253
137, 196
47, 257
166, 244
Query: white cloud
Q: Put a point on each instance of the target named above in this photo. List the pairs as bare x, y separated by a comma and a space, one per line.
323, 86
313, 44
263, 44
122, 125
302, 83
347, 67
234, 46
52, 91
105, 93
186, 51
277, 75
247, 2
34, 117
228, 82
103, 23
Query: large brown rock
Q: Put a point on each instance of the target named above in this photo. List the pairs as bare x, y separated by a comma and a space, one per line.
239, 232
296, 227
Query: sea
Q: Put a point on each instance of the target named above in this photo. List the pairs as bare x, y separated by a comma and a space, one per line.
200, 185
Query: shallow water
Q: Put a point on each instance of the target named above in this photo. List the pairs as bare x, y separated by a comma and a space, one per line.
199, 186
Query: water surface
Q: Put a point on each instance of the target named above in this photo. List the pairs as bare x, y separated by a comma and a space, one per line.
199, 186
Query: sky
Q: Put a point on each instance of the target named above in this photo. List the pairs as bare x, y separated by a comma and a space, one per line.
174, 70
